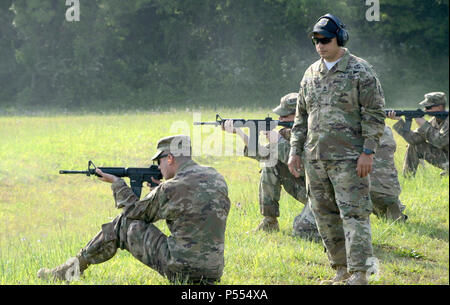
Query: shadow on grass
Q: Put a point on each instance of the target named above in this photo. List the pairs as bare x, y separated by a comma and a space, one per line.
427, 229
391, 253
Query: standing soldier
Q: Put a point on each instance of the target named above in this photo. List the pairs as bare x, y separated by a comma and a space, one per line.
338, 125
430, 141
194, 202
384, 185
273, 177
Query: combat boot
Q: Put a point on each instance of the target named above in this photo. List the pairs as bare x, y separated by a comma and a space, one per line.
394, 213
358, 278
71, 270
341, 276
268, 224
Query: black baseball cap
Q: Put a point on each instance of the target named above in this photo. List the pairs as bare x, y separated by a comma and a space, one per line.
325, 27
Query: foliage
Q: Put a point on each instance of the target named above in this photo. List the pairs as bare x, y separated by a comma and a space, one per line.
148, 53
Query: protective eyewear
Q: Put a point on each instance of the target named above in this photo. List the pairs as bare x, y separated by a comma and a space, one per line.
428, 107
160, 157
324, 40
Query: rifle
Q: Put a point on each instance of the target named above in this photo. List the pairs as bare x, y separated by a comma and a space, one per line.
410, 114
137, 175
255, 126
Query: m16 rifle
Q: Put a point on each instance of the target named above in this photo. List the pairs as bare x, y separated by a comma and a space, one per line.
255, 127
411, 114
137, 175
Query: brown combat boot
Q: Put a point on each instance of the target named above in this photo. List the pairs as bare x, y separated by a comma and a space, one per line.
358, 278
341, 276
268, 224
69, 271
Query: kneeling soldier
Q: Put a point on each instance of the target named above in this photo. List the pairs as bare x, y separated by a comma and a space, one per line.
430, 141
194, 202
273, 177
384, 185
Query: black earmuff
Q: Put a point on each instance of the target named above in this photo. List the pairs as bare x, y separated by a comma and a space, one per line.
341, 34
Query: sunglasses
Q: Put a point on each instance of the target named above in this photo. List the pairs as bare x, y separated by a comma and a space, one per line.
160, 157
428, 107
324, 40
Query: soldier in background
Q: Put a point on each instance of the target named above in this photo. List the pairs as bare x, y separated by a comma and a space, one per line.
430, 142
384, 185
274, 177
194, 202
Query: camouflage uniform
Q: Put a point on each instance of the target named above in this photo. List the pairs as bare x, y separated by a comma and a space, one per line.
194, 204
384, 185
430, 142
339, 112
273, 177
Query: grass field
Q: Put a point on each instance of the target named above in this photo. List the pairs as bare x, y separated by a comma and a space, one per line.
45, 218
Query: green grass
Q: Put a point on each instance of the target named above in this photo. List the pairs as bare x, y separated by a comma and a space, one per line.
47, 218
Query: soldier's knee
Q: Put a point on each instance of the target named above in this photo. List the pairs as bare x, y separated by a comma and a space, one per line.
269, 174
134, 230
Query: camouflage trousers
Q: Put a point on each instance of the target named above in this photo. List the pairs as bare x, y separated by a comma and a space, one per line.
143, 240
272, 178
341, 205
387, 206
427, 152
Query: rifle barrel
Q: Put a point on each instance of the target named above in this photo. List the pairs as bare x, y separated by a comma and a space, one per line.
72, 172
206, 123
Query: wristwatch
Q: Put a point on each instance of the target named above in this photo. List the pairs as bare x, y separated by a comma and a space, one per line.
368, 151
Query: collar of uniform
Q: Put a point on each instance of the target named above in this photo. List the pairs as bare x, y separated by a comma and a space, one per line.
340, 66
185, 165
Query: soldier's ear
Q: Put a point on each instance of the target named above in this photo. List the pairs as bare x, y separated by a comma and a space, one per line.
170, 159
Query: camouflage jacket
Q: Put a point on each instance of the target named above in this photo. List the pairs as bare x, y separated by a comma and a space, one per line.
339, 112
195, 205
384, 176
433, 132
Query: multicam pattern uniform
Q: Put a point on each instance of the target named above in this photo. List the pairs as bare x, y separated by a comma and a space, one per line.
273, 177
195, 206
430, 142
384, 185
338, 113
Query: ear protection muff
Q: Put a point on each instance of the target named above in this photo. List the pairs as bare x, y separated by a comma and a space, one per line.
341, 34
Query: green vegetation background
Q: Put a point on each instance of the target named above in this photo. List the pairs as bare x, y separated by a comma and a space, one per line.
156, 54
45, 218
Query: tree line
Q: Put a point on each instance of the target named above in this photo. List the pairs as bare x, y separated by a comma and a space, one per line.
151, 54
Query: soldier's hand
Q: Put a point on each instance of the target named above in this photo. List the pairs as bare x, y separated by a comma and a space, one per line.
228, 126
295, 165
364, 165
420, 121
158, 182
391, 115
106, 177
271, 136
